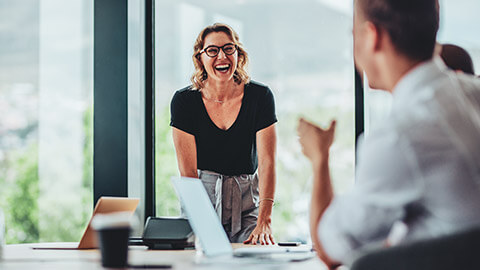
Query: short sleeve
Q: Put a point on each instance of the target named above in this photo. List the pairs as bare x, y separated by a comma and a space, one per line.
266, 111
181, 112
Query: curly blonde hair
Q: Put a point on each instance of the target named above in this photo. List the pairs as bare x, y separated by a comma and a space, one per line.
200, 75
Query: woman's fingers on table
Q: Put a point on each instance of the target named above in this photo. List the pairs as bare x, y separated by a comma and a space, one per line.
262, 239
272, 240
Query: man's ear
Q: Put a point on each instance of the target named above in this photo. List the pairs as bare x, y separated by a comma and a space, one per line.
374, 35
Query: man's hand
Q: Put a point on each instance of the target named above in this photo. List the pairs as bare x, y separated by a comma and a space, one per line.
262, 233
316, 143
314, 140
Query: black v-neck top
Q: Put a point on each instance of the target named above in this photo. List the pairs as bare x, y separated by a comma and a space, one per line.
232, 151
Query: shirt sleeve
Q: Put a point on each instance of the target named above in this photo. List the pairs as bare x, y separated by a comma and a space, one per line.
385, 185
181, 113
266, 111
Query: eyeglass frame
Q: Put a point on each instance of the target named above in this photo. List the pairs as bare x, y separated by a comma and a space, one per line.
219, 48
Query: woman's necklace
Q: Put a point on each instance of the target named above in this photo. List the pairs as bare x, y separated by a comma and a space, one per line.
213, 100
217, 100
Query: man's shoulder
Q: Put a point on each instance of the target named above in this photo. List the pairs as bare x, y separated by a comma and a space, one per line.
469, 83
457, 89
435, 105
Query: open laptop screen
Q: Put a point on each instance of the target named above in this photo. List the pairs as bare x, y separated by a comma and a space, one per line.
202, 217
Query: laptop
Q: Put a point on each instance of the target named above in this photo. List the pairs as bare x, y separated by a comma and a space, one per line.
207, 227
104, 205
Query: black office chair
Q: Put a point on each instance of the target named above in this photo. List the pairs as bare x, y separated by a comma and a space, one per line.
457, 251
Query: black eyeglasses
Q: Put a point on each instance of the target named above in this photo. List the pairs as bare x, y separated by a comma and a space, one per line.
212, 50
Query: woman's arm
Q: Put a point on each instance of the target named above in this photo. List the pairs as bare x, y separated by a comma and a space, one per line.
266, 146
186, 152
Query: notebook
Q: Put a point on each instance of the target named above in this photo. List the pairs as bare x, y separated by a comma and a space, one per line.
104, 205
207, 226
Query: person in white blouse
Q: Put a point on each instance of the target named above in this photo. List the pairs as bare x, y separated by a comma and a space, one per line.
421, 167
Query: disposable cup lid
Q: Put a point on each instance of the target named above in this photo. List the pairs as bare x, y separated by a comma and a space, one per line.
112, 220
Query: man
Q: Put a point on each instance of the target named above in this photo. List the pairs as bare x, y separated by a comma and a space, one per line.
420, 167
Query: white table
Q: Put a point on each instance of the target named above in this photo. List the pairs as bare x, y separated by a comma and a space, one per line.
23, 256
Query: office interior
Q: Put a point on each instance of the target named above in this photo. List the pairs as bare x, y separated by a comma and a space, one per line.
85, 89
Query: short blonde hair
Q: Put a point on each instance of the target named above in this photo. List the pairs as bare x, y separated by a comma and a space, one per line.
200, 75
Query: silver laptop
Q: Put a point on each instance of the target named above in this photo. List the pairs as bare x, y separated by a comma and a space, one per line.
207, 227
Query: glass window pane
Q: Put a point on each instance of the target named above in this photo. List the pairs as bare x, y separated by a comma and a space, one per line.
46, 56
303, 51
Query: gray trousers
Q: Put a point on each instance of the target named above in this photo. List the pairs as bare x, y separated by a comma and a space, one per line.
235, 199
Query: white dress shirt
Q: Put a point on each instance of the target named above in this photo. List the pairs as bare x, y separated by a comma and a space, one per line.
420, 166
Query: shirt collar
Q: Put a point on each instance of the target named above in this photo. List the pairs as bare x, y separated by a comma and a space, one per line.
417, 79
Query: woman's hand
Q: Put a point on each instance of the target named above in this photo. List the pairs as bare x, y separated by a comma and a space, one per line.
262, 233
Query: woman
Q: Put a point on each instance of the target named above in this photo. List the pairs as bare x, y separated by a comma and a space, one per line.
219, 124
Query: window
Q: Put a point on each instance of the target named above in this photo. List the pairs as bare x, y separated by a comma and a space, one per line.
46, 133
303, 51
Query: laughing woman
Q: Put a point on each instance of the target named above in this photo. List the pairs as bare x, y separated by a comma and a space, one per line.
223, 130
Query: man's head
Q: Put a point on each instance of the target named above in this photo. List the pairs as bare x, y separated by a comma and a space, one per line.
403, 28
457, 58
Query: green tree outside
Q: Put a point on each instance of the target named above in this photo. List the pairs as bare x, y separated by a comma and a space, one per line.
20, 196
167, 203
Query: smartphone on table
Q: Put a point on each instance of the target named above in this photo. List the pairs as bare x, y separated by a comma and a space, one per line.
289, 244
